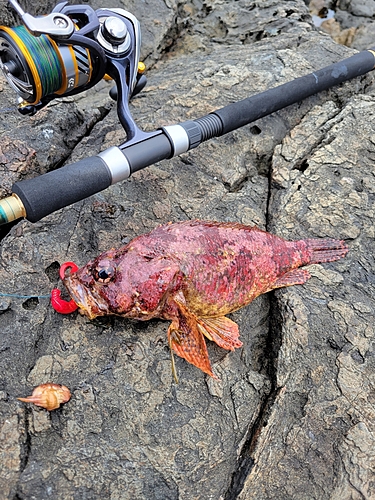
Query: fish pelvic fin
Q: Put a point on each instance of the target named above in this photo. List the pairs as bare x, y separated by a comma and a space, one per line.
221, 330
187, 341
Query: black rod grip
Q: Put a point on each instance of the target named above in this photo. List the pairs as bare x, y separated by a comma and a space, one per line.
238, 114
59, 188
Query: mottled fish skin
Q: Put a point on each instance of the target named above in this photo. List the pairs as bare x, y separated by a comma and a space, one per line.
194, 273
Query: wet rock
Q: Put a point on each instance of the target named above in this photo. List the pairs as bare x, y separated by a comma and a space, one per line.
53, 133
291, 416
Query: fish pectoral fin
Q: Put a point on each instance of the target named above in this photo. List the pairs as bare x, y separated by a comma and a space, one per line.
294, 277
188, 342
221, 330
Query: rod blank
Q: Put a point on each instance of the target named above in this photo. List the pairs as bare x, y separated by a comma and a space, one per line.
238, 114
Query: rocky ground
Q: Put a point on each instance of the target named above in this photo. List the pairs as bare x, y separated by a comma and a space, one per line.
349, 22
292, 416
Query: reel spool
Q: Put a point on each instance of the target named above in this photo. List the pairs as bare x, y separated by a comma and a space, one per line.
70, 50
37, 67
53, 55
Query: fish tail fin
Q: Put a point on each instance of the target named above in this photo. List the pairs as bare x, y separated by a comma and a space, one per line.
325, 250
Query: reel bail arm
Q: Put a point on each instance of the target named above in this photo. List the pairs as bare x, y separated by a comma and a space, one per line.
54, 24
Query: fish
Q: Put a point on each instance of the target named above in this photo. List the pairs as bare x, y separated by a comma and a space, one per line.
195, 273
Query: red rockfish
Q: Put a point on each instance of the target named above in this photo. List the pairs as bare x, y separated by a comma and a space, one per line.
193, 273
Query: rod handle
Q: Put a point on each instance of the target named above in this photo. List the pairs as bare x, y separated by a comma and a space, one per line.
40, 196
43, 195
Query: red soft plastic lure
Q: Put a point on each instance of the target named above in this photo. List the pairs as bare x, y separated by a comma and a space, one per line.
60, 305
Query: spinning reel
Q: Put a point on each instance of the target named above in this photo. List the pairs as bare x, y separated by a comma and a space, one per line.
70, 50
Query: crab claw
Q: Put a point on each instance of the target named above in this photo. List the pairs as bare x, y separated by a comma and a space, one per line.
60, 305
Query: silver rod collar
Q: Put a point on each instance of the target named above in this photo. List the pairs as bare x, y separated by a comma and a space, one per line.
117, 163
178, 137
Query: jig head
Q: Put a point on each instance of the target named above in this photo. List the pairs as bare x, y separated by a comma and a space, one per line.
60, 305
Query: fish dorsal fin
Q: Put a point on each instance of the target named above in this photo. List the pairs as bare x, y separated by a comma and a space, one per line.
221, 330
187, 340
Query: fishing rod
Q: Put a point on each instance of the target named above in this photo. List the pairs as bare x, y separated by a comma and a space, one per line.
70, 50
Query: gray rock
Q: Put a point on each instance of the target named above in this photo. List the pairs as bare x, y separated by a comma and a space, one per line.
362, 8
292, 414
361, 17
364, 37
327, 341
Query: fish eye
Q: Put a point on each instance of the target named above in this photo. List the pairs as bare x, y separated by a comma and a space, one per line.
104, 274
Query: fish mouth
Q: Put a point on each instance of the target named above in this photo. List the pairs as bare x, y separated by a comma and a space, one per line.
90, 304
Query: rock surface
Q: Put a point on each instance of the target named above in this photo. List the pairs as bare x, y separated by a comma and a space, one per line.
293, 413
349, 22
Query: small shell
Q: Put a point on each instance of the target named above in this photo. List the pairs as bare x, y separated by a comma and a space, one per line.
49, 396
